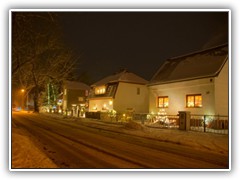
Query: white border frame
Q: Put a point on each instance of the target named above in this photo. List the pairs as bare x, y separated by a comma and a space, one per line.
119, 10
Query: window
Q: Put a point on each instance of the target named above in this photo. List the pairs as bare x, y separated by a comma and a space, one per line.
138, 91
163, 101
80, 99
100, 90
194, 100
86, 92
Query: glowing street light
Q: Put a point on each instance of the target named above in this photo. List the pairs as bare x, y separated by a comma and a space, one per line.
23, 90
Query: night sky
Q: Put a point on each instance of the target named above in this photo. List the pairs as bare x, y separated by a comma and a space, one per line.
138, 41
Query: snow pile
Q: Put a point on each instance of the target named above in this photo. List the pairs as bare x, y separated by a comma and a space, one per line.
133, 125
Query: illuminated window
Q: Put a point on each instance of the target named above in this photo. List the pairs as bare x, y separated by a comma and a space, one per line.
100, 90
163, 101
194, 100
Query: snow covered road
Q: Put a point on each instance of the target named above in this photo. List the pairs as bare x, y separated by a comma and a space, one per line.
83, 143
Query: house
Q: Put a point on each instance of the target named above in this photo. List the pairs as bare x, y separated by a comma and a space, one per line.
121, 92
197, 82
75, 98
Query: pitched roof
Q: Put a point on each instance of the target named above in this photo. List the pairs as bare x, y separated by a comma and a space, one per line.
207, 63
123, 76
75, 85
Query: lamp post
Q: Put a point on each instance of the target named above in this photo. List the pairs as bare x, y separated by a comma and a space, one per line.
22, 102
23, 90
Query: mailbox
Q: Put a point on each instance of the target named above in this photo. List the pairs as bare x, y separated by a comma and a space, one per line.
184, 120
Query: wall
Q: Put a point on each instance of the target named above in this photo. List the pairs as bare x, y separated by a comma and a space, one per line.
72, 97
177, 92
222, 89
98, 104
127, 98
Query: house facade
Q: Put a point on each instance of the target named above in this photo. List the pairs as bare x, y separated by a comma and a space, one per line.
121, 92
197, 82
75, 96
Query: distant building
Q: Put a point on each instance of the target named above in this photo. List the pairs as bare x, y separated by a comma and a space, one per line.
196, 82
122, 92
75, 97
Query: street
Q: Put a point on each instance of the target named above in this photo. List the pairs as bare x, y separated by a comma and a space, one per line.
80, 143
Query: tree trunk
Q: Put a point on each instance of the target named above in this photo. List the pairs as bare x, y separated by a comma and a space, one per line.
35, 99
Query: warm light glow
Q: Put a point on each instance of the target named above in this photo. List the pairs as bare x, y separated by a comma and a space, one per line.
100, 90
94, 107
194, 100
163, 101
22, 90
110, 102
124, 115
60, 111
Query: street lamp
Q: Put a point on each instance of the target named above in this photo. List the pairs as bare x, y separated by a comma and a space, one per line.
23, 90
22, 103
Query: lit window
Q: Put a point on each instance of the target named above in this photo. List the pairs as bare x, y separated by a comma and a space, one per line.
163, 101
100, 90
194, 100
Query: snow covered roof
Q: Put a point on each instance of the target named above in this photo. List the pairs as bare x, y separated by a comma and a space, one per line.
207, 63
123, 76
75, 85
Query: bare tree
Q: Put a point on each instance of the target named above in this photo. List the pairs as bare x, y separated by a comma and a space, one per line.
38, 54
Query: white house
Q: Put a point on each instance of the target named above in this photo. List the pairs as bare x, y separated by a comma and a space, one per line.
122, 92
197, 82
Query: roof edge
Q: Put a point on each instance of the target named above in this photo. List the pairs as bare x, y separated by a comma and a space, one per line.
182, 80
199, 51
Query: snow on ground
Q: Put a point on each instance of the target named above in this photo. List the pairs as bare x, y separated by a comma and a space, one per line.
217, 143
25, 152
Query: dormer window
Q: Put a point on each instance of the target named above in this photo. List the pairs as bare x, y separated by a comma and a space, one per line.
100, 90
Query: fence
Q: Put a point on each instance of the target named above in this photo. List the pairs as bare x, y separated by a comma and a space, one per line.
209, 123
204, 123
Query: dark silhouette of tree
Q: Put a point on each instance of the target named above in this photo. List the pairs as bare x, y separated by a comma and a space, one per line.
38, 54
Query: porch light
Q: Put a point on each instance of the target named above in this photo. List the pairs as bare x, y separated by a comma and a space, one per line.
94, 107
110, 102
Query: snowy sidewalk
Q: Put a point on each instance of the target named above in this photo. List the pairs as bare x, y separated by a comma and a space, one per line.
25, 154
